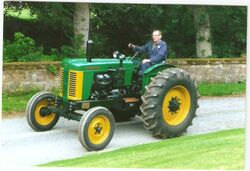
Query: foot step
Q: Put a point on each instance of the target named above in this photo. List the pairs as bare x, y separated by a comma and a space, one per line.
130, 100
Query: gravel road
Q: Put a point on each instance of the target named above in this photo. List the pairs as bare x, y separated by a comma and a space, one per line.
20, 145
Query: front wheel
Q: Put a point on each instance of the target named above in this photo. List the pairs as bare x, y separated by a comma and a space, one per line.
96, 128
38, 115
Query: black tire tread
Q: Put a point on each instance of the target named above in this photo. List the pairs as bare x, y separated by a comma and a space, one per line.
153, 90
83, 131
29, 111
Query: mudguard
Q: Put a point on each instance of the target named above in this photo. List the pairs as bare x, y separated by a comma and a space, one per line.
152, 72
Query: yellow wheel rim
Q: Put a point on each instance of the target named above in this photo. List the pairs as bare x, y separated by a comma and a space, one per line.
176, 105
99, 129
43, 120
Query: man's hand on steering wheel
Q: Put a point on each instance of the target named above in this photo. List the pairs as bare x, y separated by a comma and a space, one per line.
130, 45
145, 61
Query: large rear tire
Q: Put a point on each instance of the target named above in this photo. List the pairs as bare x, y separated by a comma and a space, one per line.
169, 103
96, 128
37, 115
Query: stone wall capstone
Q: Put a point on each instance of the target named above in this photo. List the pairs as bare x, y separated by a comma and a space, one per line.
27, 75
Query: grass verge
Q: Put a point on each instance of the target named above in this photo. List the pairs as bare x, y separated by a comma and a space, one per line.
17, 101
222, 89
220, 150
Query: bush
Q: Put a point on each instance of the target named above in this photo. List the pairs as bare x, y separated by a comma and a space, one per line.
24, 49
21, 49
100, 46
52, 69
74, 51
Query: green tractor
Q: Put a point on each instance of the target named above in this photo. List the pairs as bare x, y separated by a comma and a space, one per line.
110, 90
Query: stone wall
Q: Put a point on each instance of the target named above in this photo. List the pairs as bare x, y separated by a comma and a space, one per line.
36, 74
214, 70
23, 76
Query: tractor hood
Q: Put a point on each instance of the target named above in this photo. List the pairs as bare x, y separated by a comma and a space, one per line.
81, 64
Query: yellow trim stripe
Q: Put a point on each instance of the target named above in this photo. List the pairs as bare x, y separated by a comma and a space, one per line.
61, 82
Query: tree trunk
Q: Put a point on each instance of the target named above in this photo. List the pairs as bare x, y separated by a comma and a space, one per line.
81, 22
203, 33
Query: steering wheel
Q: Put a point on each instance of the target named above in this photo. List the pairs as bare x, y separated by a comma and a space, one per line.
136, 53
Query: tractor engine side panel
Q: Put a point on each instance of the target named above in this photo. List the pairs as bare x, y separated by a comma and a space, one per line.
76, 83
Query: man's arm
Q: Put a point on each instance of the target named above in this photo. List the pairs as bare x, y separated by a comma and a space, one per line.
140, 49
162, 52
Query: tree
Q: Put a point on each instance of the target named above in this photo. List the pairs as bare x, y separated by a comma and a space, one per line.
189, 31
59, 15
229, 30
203, 32
55, 14
81, 22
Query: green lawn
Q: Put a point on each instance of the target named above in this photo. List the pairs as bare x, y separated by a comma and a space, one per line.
220, 150
221, 89
17, 102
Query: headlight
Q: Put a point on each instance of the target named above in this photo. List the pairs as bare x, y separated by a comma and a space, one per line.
122, 56
115, 54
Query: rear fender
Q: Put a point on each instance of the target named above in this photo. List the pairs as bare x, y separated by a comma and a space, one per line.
152, 72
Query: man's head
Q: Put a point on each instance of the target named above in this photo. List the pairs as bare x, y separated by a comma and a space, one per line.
156, 36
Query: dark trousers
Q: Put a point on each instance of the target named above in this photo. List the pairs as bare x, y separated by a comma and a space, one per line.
144, 67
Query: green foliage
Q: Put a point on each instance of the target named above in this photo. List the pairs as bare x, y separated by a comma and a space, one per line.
73, 51
175, 21
229, 28
52, 69
24, 49
25, 14
100, 45
21, 49
55, 14
116, 25
55, 90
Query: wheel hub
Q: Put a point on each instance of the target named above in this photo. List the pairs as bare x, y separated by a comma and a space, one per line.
44, 111
174, 105
98, 128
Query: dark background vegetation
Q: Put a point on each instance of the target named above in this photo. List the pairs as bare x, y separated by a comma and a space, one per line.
50, 35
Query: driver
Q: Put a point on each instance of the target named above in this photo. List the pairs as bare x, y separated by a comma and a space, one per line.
156, 51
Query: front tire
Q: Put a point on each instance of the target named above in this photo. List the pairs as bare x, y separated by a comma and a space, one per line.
37, 114
96, 128
169, 103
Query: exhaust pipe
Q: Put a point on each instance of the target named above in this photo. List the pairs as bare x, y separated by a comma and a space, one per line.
89, 50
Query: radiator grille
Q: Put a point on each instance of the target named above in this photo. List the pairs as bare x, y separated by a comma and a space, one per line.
72, 84
61, 82
75, 85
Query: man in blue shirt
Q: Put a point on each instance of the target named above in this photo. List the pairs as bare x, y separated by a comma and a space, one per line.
156, 51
